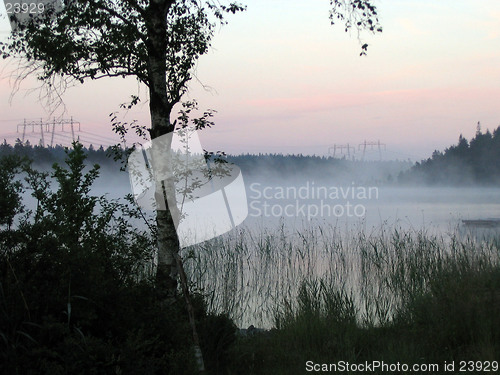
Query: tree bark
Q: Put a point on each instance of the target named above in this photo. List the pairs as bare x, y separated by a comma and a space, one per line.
167, 213
160, 109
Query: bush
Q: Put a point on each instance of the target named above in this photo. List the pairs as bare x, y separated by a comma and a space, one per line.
76, 294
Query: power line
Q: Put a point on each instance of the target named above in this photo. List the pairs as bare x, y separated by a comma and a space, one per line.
100, 137
55, 129
49, 127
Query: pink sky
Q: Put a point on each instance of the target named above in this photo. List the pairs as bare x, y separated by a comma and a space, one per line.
284, 80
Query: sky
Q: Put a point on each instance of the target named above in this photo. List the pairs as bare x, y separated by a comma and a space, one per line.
284, 80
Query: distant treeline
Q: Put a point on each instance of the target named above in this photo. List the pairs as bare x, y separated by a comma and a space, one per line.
46, 156
267, 166
468, 163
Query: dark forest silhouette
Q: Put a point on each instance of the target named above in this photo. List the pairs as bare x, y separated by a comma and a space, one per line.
474, 162
467, 163
263, 165
46, 156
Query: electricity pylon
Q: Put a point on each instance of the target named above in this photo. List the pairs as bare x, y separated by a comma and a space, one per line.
49, 127
372, 145
342, 149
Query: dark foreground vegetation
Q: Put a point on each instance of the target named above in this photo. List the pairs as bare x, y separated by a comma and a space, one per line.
397, 296
455, 320
77, 294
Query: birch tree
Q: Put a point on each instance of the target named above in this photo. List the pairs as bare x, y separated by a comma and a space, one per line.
157, 42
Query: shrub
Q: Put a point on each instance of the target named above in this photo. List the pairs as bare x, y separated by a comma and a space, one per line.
76, 296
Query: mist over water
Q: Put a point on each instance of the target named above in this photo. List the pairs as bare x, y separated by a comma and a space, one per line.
351, 205
407, 206
303, 202
353, 195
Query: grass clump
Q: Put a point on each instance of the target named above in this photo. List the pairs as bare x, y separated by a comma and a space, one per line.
391, 295
456, 319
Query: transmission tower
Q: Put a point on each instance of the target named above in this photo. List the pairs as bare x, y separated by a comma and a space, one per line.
342, 149
50, 128
372, 145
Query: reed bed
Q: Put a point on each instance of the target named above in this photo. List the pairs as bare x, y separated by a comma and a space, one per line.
259, 275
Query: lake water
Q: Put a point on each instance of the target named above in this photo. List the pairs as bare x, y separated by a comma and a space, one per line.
297, 229
369, 206
300, 230
298, 203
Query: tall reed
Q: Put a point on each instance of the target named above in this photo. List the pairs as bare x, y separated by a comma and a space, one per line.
256, 274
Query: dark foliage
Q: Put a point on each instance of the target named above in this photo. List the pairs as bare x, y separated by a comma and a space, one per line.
467, 163
455, 320
76, 296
